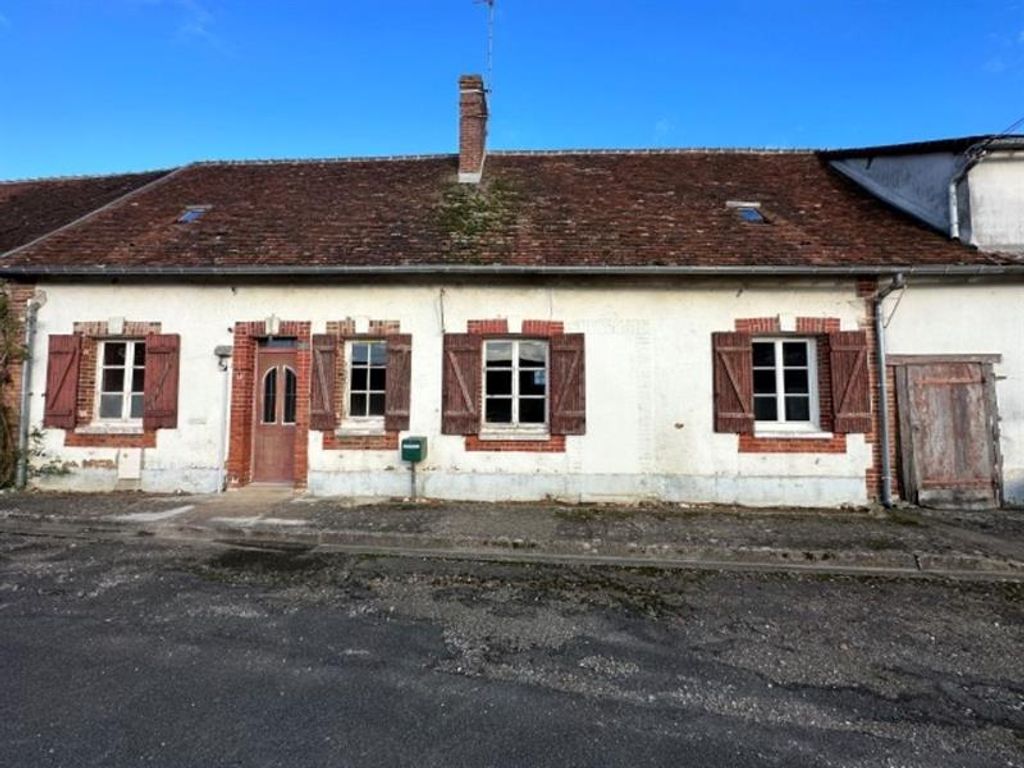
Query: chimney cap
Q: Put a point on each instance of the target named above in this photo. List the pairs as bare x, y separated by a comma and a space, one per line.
471, 82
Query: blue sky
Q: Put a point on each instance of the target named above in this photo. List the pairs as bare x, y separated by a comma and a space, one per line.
95, 86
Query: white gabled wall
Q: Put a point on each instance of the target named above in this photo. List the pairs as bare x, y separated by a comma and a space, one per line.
649, 389
996, 188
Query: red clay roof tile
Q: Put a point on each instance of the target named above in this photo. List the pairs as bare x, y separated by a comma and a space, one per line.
551, 209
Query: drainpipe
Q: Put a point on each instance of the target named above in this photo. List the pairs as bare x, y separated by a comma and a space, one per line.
885, 438
223, 354
31, 310
974, 156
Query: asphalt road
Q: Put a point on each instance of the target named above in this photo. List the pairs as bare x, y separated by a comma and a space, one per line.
141, 654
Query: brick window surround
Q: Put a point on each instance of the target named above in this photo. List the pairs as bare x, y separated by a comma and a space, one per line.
92, 334
243, 398
530, 329
819, 328
345, 330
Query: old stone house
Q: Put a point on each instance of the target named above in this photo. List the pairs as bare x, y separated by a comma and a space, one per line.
693, 325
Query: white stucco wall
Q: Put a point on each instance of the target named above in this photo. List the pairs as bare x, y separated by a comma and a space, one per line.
649, 390
972, 319
996, 187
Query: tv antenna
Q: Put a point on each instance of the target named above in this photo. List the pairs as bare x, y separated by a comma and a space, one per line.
490, 39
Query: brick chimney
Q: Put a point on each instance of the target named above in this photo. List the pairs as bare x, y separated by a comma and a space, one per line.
472, 128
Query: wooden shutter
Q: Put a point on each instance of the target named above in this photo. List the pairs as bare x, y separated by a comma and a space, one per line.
160, 390
399, 382
734, 382
568, 385
460, 384
323, 380
851, 385
61, 402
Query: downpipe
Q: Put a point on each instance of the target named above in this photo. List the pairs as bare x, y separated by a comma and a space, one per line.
223, 354
31, 313
884, 428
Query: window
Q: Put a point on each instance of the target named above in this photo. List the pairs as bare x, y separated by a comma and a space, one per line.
785, 384
516, 383
367, 379
123, 373
288, 403
192, 214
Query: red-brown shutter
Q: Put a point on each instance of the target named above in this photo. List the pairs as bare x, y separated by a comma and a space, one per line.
399, 382
568, 385
734, 382
61, 402
160, 393
460, 384
851, 386
324, 376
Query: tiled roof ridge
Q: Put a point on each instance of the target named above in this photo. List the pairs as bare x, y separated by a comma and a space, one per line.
84, 176
509, 153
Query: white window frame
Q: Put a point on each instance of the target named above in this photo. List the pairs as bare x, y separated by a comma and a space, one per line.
515, 430
126, 388
361, 425
781, 425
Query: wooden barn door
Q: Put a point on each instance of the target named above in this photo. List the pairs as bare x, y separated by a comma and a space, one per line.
949, 434
273, 454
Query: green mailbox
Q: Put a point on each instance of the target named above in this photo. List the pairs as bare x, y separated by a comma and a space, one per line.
414, 449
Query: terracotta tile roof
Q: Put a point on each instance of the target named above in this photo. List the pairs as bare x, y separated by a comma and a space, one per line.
30, 209
555, 209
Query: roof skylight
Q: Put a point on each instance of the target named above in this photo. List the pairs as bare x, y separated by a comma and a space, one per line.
750, 212
192, 213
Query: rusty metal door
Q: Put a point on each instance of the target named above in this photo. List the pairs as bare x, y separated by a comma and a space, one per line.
273, 459
948, 434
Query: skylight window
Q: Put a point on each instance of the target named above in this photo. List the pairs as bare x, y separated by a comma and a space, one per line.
749, 212
192, 213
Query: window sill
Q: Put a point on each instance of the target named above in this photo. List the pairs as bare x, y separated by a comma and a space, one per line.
782, 434
110, 429
371, 428
504, 435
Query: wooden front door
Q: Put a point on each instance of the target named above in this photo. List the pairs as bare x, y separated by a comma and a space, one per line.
273, 458
948, 434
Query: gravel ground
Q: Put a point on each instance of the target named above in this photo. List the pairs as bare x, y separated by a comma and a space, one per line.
138, 653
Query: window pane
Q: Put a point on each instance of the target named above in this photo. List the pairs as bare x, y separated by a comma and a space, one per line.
113, 380
531, 353
135, 407
532, 382
110, 406
270, 396
360, 354
531, 410
499, 354
290, 392
764, 354
378, 379
765, 409
499, 382
114, 353
794, 353
140, 353
764, 382
359, 378
798, 409
498, 410
357, 405
138, 379
379, 354
796, 381
376, 405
